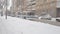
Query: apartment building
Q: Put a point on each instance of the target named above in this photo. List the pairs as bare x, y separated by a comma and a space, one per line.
48, 6
33, 6
39, 6
58, 8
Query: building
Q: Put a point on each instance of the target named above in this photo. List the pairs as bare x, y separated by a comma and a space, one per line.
48, 6
39, 6
34, 6
58, 8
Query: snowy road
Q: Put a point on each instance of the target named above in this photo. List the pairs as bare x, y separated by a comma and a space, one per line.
21, 26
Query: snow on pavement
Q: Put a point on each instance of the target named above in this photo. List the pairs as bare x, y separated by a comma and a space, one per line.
15, 25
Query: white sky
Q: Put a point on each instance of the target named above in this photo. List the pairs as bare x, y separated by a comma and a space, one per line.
10, 4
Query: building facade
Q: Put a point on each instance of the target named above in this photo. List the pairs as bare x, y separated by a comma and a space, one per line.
49, 6
58, 8
35, 6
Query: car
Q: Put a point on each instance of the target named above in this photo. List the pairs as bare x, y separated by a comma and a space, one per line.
58, 19
29, 17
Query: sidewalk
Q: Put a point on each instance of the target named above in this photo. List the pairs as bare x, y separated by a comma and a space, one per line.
13, 25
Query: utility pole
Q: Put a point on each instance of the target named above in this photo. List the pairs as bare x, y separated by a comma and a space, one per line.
6, 10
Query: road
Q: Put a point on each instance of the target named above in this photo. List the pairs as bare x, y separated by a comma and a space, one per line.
48, 22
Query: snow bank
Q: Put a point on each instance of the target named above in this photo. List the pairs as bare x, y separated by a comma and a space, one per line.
21, 26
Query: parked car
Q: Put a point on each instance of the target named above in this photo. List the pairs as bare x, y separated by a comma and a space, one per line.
58, 19
29, 17
32, 17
